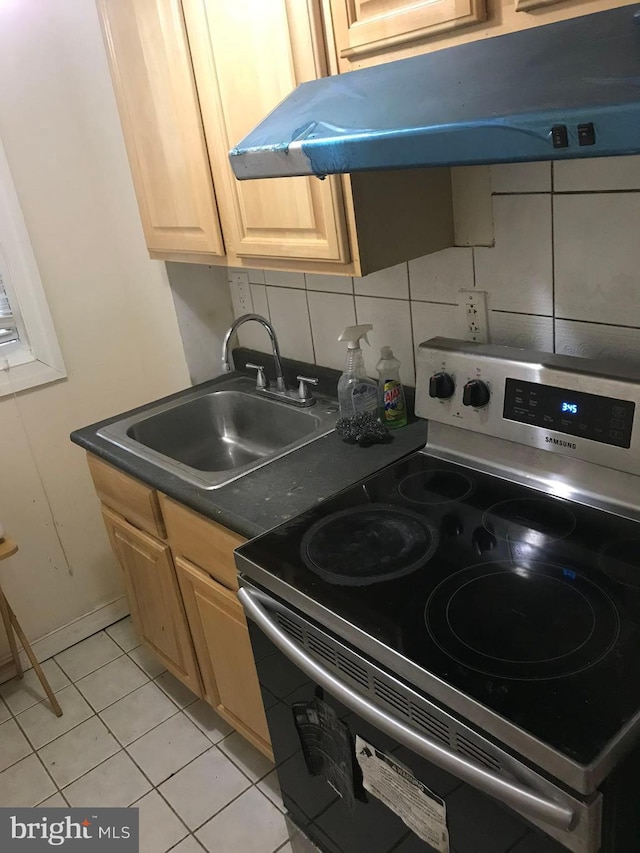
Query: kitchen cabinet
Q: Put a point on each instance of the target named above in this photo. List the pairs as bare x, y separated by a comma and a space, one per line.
158, 104
370, 32
154, 597
372, 26
180, 580
191, 78
221, 639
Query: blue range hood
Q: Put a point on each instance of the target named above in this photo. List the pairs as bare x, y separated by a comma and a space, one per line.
564, 90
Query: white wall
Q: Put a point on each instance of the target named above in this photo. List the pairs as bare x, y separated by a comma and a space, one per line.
111, 305
564, 275
203, 306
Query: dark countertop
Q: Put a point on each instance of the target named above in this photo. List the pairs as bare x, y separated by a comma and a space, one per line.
272, 494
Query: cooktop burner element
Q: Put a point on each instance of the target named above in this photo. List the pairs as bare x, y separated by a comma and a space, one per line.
621, 561
435, 487
536, 520
533, 622
368, 544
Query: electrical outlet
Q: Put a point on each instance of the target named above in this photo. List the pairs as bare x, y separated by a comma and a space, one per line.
473, 304
242, 292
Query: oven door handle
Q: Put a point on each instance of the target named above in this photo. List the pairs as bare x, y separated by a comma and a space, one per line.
525, 800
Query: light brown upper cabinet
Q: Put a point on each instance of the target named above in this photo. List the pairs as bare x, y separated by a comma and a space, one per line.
248, 55
192, 77
371, 26
158, 105
371, 32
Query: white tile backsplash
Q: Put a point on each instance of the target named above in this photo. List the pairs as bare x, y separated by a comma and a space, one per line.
521, 178
252, 334
439, 277
583, 278
329, 283
521, 330
330, 313
597, 257
598, 173
431, 319
594, 340
517, 272
392, 282
290, 317
278, 278
391, 320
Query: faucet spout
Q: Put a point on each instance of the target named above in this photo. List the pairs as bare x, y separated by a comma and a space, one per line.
227, 357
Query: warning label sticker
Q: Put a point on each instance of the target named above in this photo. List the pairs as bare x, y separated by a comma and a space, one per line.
422, 810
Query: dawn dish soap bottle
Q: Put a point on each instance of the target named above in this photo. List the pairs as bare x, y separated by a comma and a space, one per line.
393, 407
356, 392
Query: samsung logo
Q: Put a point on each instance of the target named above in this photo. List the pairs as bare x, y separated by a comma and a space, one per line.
560, 443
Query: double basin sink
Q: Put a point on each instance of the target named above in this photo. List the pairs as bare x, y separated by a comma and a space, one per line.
215, 435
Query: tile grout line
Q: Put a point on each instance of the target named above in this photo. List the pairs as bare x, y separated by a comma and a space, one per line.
42, 764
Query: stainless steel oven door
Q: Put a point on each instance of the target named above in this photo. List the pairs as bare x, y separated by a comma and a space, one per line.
411, 720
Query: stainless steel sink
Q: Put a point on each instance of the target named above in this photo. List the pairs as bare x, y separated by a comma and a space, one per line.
213, 436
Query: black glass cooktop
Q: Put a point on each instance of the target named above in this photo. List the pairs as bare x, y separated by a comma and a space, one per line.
529, 604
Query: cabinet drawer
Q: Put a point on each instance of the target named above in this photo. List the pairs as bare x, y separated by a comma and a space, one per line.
137, 502
201, 541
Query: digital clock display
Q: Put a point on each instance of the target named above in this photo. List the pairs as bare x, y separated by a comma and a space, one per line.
566, 410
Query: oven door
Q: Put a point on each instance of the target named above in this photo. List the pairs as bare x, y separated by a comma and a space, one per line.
493, 802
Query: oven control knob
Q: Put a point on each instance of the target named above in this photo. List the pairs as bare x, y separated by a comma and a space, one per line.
475, 393
442, 386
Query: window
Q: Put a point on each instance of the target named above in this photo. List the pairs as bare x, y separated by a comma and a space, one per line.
29, 351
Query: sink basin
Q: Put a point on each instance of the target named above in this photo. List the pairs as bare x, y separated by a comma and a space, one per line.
213, 436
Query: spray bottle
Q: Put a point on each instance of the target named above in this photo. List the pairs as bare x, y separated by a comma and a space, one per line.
356, 392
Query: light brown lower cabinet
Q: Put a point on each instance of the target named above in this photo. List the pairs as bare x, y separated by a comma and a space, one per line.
187, 614
154, 597
223, 648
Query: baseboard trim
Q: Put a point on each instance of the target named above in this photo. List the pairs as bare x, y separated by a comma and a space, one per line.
68, 635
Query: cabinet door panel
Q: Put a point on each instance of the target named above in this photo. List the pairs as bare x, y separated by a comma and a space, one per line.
367, 26
248, 55
158, 105
223, 647
154, 597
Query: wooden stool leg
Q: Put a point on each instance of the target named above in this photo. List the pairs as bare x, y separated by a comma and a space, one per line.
6, 618
25, 645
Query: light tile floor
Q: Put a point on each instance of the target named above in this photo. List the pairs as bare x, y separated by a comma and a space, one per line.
131, 734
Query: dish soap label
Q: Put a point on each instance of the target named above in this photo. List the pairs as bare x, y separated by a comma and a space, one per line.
393, 407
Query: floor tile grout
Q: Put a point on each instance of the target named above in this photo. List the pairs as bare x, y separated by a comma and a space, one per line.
124, 748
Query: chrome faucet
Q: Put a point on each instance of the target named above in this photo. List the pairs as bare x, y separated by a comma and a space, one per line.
302, 396
227, 357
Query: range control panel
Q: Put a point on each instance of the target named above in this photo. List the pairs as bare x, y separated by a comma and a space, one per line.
576, 406
572, 412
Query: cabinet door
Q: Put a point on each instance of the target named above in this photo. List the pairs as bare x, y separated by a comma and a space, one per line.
368, 26
158, 104
248, 55
223, 647
154, 597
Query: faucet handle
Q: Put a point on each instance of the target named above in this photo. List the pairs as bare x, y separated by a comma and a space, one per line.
261, 381
303, 391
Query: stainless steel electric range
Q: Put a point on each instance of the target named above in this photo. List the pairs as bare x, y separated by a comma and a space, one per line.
450, 649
